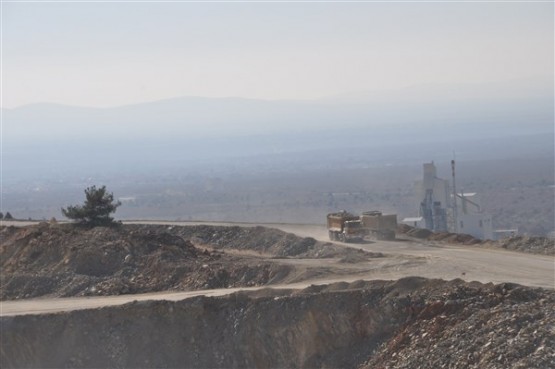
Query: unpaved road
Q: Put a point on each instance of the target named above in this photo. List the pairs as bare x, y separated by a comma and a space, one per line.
44, 306
432, 260
409, 258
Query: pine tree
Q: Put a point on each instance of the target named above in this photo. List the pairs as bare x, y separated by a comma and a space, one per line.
96, 210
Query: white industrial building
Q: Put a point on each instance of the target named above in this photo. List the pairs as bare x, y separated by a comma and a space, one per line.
470, 217
439, 212
416, 222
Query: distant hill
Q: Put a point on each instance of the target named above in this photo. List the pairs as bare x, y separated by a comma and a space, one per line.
500, 108
427, 120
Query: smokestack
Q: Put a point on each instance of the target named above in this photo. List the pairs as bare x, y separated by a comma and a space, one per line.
456, 228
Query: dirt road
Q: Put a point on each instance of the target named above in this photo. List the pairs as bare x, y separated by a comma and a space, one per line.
408, 258
44, 306
431, 260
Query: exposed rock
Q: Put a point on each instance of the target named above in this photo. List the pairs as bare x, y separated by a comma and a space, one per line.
410, 323
503, 326
65, 260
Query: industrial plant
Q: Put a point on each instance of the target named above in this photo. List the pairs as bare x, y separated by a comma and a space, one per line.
443, 209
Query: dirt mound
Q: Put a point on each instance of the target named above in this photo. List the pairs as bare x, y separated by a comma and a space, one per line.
264, 240
261, 239
419, 233
65, 260
454, 238
426, 234
535, 245
503, 326
410, 323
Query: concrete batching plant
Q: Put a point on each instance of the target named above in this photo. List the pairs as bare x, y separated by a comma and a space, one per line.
442, 210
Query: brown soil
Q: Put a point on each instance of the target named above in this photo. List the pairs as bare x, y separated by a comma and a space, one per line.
61, 260
411, 323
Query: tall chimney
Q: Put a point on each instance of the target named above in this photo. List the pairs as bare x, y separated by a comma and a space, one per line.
455, 220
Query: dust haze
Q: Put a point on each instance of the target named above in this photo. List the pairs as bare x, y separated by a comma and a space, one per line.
282, 161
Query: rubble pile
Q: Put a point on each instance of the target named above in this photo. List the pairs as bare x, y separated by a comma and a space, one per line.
261, 239
502, 326
446, 237
454, 238
264, 240
534, 245
65, 260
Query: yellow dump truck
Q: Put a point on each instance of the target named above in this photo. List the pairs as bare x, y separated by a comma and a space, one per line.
347, 227
379, 226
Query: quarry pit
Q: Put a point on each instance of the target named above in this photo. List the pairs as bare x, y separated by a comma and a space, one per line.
307, 321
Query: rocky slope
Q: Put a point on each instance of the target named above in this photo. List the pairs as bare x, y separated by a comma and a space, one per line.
410, 323
64, 260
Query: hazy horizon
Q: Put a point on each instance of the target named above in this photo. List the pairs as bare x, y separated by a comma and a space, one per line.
115, 54
253, 110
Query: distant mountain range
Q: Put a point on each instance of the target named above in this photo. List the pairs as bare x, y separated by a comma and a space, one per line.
429, 119
505, 108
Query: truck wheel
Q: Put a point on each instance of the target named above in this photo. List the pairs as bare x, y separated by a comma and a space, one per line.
331, 235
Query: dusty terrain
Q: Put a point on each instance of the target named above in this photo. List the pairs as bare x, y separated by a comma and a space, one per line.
59, 260
195, 295
533, 245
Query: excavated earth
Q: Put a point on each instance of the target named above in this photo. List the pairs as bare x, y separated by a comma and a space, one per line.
63, 260
410, 323
528, 244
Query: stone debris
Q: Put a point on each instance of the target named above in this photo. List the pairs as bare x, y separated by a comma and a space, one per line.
475, 326
63, 260
410, 323
534, 245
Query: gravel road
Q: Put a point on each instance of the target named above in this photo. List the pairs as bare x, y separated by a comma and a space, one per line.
410, 258
439, 261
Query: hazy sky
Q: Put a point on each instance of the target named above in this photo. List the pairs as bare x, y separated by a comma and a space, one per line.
107, 54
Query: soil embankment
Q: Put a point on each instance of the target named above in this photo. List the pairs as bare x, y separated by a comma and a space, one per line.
528, 244
410, 323
62, 260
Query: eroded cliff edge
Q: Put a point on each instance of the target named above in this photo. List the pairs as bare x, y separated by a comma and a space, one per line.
410, 323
